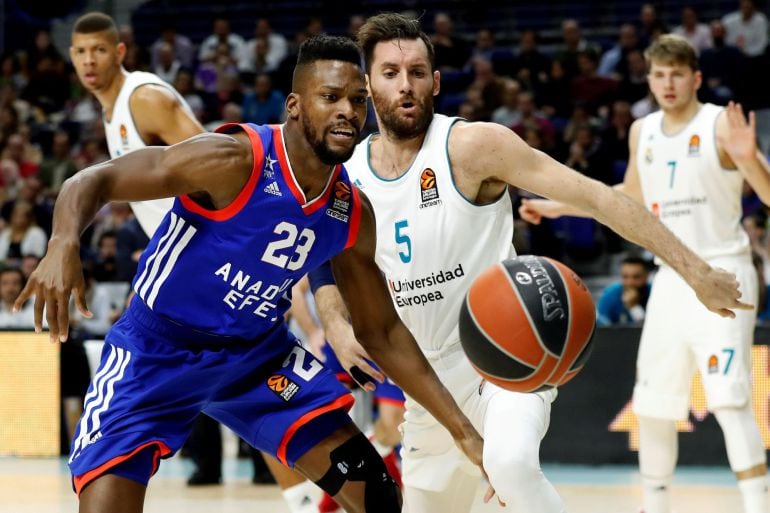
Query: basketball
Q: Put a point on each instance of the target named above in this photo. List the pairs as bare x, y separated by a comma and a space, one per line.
527, 324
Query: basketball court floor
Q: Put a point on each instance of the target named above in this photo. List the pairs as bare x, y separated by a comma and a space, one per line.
42, 486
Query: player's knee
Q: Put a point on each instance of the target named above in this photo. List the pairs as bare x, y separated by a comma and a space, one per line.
512, 472
743, 440
357, 461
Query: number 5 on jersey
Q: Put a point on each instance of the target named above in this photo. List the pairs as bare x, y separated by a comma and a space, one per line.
300, 252
402, 238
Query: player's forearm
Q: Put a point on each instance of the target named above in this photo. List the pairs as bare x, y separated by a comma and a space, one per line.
84, 194
401, 359
332, 312
634, 222
757, 172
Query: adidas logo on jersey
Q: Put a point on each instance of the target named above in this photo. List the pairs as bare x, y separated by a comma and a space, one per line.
272, 188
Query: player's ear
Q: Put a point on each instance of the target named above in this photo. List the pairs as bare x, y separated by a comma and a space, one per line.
368, 87
121, 52
436, 82
292, 106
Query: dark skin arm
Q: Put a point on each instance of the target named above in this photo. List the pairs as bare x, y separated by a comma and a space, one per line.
148, 173
387, 340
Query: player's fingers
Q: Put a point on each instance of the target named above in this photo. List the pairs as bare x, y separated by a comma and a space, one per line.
38, 310
740, 305
51, 315
63, 316
365, 366
725, 312
80, 302
364, 380
753, 121
23, 296
489, 494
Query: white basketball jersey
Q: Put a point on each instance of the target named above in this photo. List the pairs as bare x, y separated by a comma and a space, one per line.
123, 137
685, 186
431, 241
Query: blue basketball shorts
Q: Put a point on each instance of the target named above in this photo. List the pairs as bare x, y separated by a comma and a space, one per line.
387, 392
156, 376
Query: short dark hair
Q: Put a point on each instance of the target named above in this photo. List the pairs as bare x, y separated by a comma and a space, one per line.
96, 22
325, 48
14, 270
636, 260
387, 27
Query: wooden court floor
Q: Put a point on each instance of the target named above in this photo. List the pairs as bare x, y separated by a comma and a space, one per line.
42, 486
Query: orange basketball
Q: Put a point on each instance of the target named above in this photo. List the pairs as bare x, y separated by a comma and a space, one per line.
527, 324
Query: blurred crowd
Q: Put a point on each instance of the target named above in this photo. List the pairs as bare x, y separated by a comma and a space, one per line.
574, 99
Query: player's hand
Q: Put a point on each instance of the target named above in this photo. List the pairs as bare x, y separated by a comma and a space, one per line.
741, 140
718, 291
353, 357
472, 445
59, 275
534, 210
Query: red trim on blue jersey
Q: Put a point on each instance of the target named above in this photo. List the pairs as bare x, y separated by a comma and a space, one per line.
80, 482
389, 400
243, 197
317, 203
355, 219
346, 401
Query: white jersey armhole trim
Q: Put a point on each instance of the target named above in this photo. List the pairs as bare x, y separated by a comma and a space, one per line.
475, 206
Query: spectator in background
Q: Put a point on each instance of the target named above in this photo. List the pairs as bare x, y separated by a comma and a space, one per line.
615, 136
31, 191
22, 236
650, 24
184, 50
48, 87
137, 58
264, 105
214, 70
633, 87
131, 243
746, 29
721, 67
59, 166
28, 264
231, 113
508, 113
92, 151
11, 283
586, 155
530, 66
15, 152
10, 72
624, 302
105, 266
211, 47
167, 66
573, 43
613, 63
756, 228
698, 34
275, 49
489, 85
184, 86
451, 52
530, 117
588, 87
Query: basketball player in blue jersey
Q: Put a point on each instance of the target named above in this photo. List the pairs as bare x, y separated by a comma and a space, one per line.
438, 188
256, 207
688, 163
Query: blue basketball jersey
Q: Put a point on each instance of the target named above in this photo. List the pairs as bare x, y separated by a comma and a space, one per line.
229, 272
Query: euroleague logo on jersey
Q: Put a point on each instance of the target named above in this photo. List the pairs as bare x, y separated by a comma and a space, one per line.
693, 148
123, 134
428, 189
341, 204
282, 386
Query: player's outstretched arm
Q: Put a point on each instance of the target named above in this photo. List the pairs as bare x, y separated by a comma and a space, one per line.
489, 152
387, 340
335, 319
534, 210
148, 173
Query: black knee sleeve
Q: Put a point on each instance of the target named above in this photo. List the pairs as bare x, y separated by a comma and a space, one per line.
357, 460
